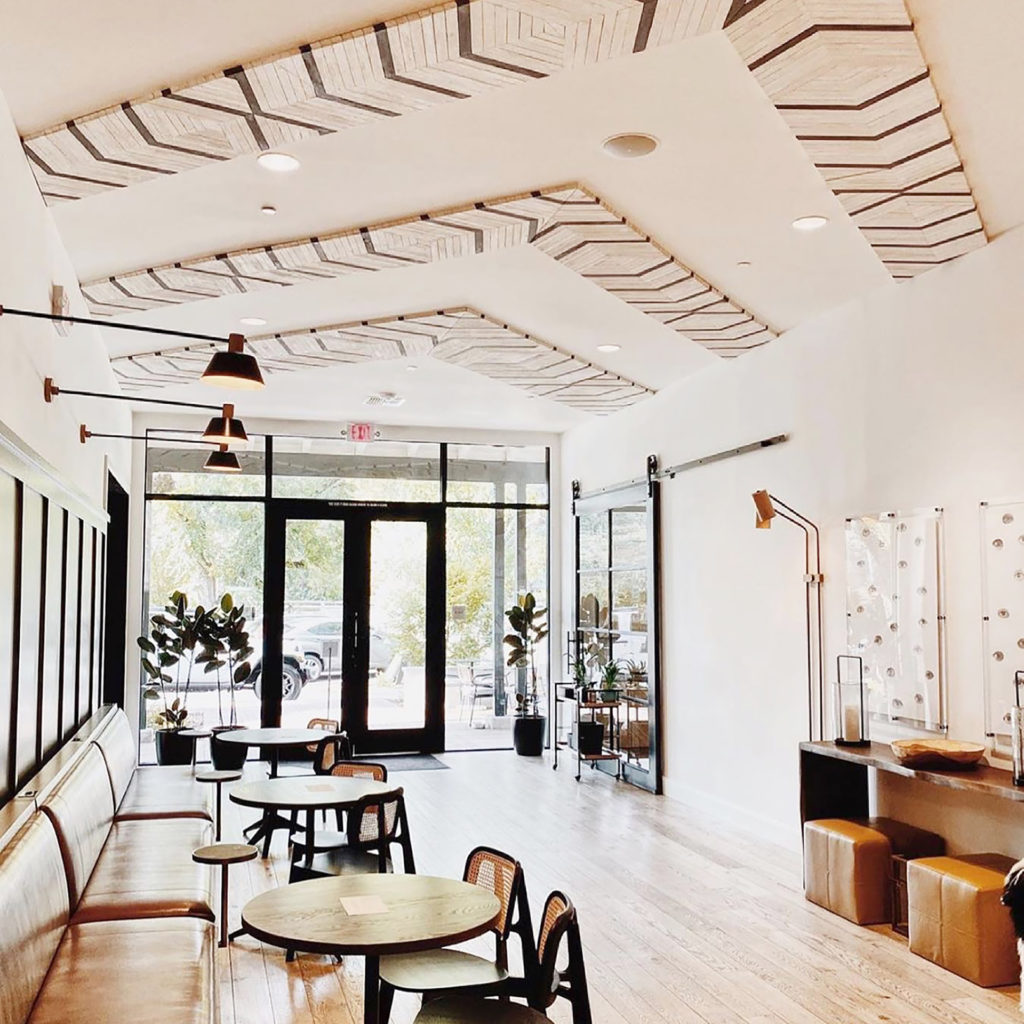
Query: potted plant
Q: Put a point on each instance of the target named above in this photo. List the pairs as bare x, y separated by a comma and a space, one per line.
609, 677
229, 648
580, 677
528, 629
174, 635
637, 671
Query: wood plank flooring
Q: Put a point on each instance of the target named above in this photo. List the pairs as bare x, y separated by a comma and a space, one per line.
684, 921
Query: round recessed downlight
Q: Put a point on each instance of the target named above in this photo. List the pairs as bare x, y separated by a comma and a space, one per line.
744, 264
815, 222
253, 321
268, 211
608, 348
630, 145
278, 162
411, 368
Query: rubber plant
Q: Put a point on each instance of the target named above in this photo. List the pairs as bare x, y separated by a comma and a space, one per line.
528, 629
175, 635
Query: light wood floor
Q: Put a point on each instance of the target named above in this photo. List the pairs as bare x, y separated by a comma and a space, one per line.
683, 921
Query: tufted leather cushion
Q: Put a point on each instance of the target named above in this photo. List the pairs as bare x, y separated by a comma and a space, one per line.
81, 808
167, 791
117, 744
146, 870
957, 919
130, 971
33, 914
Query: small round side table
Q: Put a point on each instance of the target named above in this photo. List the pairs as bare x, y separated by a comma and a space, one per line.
218, 778
195, 735
225, 854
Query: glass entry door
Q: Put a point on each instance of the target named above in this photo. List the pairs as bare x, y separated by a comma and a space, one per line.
354, 622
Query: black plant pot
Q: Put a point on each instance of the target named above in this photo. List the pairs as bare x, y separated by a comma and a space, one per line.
227, 757
528, 735
172, 747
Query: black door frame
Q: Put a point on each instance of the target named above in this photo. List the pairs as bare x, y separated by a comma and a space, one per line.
358, 518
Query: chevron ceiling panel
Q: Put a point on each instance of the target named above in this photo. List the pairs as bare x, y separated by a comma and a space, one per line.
568, 224
848, 77
449, 52
462, 337
852, 83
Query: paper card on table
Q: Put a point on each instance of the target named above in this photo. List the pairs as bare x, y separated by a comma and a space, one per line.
319, 787
357, 905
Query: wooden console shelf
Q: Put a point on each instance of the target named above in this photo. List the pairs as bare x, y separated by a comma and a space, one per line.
834, 779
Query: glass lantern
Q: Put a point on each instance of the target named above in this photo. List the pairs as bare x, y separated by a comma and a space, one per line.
849, 703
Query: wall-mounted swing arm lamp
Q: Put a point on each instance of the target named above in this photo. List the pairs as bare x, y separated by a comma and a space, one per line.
233, 368
225, 428
769, 507
220, 461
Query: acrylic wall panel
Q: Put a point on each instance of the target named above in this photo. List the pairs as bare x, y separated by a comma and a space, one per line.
8, 519
28, 679
53, 629
895, 617
1002, 565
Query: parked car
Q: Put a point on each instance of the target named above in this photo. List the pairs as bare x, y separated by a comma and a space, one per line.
319, 641
293, 675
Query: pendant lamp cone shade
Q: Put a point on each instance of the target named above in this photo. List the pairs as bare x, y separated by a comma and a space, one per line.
226, 429
765, 509
223, 461
234, 368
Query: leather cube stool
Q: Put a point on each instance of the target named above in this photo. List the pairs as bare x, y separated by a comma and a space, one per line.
847, 863
957, 921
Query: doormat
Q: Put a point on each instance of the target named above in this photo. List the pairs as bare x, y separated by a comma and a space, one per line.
409, 762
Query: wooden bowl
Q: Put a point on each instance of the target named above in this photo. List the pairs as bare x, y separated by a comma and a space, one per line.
937, 753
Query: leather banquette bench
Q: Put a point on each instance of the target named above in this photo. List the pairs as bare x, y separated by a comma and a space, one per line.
104, 917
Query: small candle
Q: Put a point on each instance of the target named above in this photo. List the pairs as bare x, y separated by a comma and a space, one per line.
851, 724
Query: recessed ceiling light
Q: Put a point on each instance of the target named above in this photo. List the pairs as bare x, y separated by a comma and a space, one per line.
279, 162
411, 368
744, 264
268, 211
252, 321
630, 145
815, 222
608, 348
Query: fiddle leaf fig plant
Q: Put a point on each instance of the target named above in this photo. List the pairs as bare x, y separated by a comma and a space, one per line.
529, 628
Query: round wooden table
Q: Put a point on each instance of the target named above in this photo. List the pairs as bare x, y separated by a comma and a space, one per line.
274, 739
225, 854
309, 793
371, 916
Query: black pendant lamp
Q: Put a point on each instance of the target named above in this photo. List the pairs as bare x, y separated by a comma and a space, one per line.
223, 461
234, 368
226, 429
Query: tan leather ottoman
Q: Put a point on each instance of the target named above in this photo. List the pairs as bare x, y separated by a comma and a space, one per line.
957, 921
847, 863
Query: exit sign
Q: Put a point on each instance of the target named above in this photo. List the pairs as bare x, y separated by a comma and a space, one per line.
361, 432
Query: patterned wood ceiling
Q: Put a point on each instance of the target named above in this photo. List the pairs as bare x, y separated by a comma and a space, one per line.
462, 337
849, 78
568, 224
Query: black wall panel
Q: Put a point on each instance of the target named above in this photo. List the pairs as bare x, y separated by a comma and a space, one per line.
29, 647
85, 639
52, 546
72, 608
8, 598
53, 631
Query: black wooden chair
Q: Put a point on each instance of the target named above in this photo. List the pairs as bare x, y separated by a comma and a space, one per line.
559, 922
445, 971
375, 825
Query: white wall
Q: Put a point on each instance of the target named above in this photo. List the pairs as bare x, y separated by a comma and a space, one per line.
31, 259
909, 398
